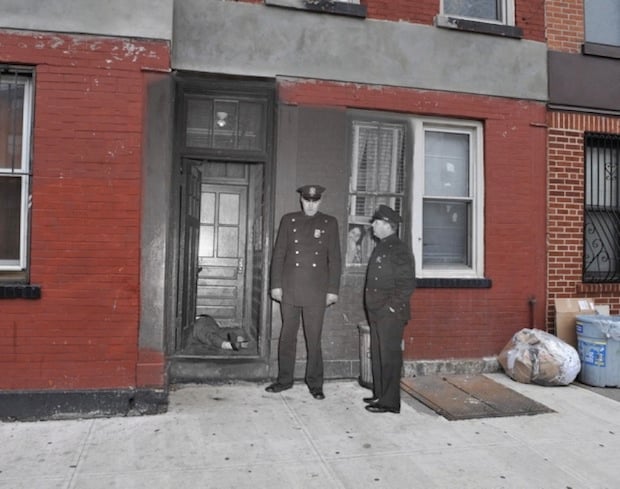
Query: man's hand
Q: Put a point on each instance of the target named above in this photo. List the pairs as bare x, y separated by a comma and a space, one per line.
331, 299
276, 294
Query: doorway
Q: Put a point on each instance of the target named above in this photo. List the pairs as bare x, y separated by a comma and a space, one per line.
220, 254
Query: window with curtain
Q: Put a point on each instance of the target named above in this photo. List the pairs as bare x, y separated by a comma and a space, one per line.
602, 209
431, 172
15, 122
377, 177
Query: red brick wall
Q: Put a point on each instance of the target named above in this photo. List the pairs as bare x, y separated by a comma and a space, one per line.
86, 185
565, 204
461, 323
565, 30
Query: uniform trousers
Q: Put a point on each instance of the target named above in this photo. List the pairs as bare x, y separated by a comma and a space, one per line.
386, 357
312, 317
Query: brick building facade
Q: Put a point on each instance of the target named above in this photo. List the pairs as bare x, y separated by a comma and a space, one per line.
582, 103
183, 121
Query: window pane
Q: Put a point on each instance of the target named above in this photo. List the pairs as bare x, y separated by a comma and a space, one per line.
225, 125
446, 167
10, 218
11, 121
251, 126
479, 9
378, 168
446, 234
602, 21
199, 120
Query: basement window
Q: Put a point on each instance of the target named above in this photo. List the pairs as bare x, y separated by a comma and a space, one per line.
495, 17
351, 8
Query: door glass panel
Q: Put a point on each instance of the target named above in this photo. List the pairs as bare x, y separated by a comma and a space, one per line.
229, 209
205, 247
207, 208
227, 242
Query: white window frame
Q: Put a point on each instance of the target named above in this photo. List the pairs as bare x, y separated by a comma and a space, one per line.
507, 14
476, 195
24, 174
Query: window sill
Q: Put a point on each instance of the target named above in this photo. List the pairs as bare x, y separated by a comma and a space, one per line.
17, 291
501, 30
322, 6
602, 50
598, 288
453, 283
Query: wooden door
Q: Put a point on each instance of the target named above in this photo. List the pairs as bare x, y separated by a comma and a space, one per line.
188, 249
222, 254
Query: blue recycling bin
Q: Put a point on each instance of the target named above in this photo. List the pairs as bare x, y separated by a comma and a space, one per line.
598, 344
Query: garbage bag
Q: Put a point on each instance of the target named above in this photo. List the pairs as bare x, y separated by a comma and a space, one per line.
537, 357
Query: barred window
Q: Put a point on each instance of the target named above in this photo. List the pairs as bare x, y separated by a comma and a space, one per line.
15, 123
602, 209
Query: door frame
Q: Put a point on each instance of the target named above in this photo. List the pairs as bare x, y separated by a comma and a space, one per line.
180, 368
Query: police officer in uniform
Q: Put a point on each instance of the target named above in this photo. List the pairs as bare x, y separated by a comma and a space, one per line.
305, 279
390, 281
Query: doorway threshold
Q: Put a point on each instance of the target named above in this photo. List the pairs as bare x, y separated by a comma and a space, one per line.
204, 369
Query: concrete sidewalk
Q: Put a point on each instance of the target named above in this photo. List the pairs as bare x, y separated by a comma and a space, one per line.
238, 436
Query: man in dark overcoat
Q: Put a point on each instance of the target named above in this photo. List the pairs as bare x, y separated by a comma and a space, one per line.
305, 279
390, 281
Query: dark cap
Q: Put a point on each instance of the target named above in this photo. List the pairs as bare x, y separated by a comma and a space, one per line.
311, 192
385, 213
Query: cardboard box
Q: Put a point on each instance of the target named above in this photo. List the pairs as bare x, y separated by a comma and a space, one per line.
566, 312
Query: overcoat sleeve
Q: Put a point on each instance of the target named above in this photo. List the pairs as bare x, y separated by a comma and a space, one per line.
279, 254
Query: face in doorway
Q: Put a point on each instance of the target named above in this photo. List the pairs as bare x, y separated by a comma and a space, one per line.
310, 207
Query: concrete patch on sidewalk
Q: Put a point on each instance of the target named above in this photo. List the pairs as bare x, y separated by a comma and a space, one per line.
458, 397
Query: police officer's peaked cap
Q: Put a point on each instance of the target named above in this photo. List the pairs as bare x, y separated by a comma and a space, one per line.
311, 192
385, 213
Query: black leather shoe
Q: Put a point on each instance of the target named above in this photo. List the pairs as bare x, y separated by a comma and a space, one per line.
276, 387
375, 408
370, 400
317, 394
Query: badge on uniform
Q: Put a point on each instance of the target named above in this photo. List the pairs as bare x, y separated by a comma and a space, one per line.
317, 233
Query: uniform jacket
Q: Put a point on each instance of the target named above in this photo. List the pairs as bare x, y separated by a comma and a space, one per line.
306, 262
390, 278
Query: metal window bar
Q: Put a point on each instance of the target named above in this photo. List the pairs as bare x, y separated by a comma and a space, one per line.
602, 209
